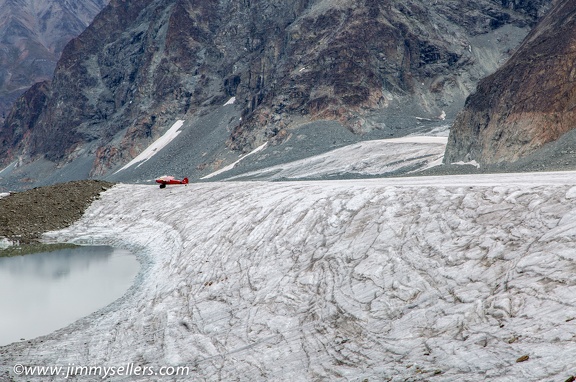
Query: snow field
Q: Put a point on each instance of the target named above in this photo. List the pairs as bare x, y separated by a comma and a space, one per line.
156, 146
376, 157
380, 280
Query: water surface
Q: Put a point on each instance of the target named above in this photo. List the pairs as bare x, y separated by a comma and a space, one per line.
42, 292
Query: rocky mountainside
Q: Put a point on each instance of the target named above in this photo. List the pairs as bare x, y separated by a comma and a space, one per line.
518, 111
388, 67
32, 36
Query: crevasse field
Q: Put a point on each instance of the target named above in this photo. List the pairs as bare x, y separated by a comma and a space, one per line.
414, 279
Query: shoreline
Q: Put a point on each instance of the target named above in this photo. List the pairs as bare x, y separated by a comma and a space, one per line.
26, 215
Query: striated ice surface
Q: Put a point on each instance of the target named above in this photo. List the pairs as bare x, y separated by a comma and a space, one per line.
440, 279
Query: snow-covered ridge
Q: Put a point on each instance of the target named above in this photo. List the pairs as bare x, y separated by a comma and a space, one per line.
156, 146
390, 280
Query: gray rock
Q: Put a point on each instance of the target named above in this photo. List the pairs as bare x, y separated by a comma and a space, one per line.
374, 68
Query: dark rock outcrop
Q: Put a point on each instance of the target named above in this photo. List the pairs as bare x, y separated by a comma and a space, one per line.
32, 36
529, 102
368, 64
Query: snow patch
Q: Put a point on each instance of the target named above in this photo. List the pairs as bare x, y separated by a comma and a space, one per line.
231, 101
231, 166
10, 167
471, 163
155, 147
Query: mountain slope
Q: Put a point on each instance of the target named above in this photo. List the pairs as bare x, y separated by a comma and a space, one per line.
528, 102
368, 65
33, 34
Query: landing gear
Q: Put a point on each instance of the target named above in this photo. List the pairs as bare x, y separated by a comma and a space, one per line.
163, 185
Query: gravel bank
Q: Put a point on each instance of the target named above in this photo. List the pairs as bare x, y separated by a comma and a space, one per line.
25, 215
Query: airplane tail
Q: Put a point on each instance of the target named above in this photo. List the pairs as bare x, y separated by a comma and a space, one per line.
185, 181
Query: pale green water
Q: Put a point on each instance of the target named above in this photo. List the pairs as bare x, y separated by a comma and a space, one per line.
42, 292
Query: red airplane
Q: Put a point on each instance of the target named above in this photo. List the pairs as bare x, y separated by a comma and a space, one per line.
164, 180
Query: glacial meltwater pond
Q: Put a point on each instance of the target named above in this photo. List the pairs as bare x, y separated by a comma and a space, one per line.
42, 292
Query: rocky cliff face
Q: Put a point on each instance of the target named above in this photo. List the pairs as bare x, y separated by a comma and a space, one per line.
32, 36
370, 65
528, 102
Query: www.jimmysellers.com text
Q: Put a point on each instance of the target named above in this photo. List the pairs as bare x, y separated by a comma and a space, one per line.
102, 371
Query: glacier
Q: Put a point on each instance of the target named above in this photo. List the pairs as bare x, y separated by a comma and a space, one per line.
377, 157
458, 278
